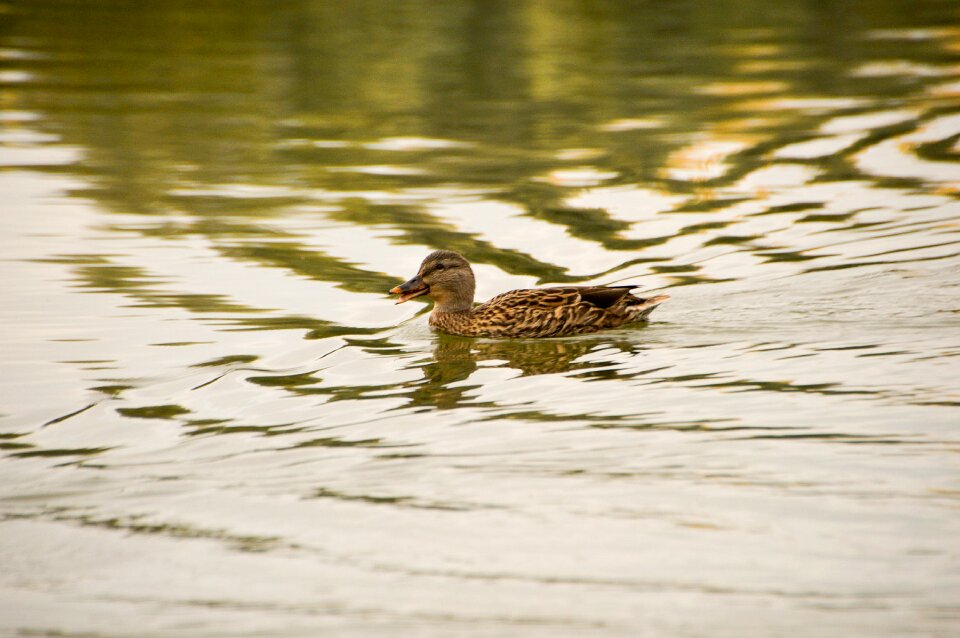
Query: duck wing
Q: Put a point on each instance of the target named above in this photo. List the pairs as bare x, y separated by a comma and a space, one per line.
553, 312
603, 296
558, 297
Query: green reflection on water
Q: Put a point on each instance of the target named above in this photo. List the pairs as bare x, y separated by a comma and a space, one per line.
168, 94
154, 412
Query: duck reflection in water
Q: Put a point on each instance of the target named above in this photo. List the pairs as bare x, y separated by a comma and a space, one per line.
456, 358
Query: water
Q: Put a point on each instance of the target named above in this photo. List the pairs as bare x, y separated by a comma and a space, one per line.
215, 422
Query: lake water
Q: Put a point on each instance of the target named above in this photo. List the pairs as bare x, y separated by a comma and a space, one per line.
215, 421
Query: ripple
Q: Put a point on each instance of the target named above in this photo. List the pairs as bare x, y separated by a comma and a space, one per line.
577, 177
34, 156
412, 144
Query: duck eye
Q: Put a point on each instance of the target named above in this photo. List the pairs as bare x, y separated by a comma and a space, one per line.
439, 267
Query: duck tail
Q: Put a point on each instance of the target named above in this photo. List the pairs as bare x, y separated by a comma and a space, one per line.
643, 306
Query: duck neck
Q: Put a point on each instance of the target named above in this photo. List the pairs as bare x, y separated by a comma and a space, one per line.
459, 300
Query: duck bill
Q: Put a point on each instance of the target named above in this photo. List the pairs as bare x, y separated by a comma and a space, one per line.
410, 289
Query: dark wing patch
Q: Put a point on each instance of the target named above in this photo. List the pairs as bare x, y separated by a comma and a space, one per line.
603, 296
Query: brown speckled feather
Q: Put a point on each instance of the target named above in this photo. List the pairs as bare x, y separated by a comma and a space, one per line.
541, 312
547, 312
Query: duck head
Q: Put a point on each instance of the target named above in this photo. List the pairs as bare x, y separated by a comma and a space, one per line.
446, 277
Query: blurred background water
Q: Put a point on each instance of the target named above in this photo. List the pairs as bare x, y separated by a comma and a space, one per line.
216, 423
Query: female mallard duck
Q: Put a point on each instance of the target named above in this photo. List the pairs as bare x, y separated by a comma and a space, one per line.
542, 312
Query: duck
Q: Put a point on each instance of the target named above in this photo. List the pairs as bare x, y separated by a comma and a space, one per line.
446, 277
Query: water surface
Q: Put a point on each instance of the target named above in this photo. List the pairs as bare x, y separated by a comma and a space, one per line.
215, 421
